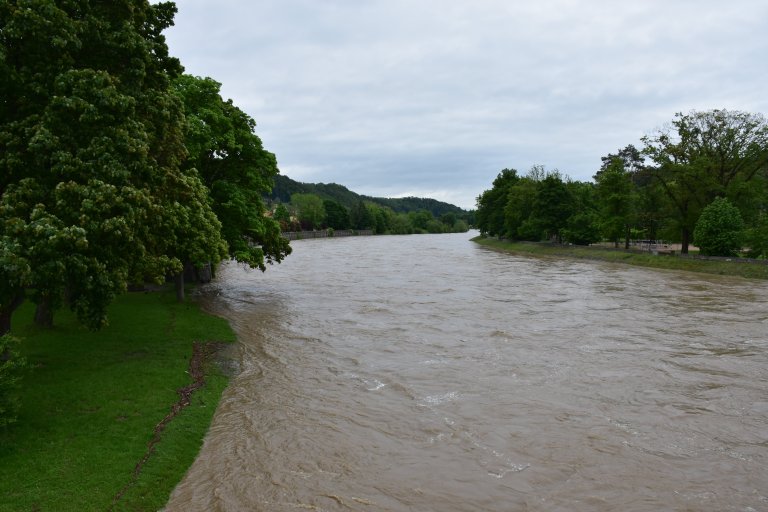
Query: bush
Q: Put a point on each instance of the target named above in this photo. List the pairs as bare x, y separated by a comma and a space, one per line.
719, 229
11, 367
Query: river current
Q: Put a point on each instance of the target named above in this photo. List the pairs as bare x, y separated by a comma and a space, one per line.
426, 373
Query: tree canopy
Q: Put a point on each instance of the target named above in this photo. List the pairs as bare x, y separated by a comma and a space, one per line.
238, 171
96, 187
696, 159
704, 155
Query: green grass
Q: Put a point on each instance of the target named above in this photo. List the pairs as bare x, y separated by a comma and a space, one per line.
92, 399
730, 268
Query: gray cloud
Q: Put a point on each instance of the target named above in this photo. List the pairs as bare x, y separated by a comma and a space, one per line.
434, 97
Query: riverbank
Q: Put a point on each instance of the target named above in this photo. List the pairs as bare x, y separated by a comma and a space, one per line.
666, 261
104, 423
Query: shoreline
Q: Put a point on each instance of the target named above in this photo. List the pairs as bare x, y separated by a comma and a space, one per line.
113, 420
726, 267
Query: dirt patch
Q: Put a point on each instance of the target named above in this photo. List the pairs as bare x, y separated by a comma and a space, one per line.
202, 353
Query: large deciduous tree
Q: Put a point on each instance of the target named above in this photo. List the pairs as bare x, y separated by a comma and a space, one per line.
552, 206
491, 203
91, 140
615, 194
336, 215
704, 155
234, 165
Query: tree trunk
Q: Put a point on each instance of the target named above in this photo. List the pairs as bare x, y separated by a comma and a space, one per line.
7, 312
44, 313
686, 241
179, 280
627, 234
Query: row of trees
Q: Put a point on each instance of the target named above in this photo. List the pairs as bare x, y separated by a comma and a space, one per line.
115, 167
702, 177
310, 211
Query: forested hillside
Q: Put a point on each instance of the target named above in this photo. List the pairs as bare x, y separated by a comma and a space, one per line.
285, 187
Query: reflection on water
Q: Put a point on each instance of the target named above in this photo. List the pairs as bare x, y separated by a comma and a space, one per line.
427, 373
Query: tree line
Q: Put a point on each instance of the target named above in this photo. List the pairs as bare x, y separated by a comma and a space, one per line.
285, 188
701, 179
115, 166
311, 212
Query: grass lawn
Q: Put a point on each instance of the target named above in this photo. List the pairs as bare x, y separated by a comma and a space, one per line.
91, 401
731, 268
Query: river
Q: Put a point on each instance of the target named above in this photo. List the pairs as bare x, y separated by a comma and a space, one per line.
426, 373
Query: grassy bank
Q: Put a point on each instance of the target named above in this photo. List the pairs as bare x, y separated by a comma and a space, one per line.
91, 403
751, 271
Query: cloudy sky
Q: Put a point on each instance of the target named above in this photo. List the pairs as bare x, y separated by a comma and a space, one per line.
433, 98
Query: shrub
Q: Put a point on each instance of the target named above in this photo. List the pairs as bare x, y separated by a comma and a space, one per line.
11, 367
719, 229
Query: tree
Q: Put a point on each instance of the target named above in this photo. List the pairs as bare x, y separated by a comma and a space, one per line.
614, 190
400, 224
756, 238
631, 158
491, 203
704, 155
310, 209
361, 217
582, 226
380, 216
232, 162
421, 220
718, 231
283, 216
552, 205
336, 215
90, 148
517, 211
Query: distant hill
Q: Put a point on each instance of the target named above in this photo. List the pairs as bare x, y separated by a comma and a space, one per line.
285, 187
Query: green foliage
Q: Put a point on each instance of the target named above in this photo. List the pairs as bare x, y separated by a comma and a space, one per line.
491, 203
719, 229
14, 277
285, 187
704, 155
11, 367
614, 191
756, 238
552, 205
238, 171
336, 215
310, 210
283, 216
701, 156
91, 140
361, 217
582, 228
517, 211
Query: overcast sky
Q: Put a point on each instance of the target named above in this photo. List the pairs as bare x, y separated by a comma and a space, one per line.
433, 98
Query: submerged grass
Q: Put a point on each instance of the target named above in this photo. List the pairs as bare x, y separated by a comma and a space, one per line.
670, 262
91, 401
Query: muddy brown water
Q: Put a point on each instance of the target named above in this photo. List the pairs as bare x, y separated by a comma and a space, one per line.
426, 373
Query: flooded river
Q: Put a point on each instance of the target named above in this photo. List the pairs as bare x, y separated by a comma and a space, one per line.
426, 373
